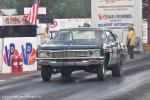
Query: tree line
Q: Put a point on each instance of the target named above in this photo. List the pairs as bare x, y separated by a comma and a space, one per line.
60, 8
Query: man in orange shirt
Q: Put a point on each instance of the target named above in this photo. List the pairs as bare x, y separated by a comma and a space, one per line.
131, 41
46, 37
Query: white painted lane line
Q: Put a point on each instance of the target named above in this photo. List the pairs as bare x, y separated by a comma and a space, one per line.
56, 76
24, 76
2, 81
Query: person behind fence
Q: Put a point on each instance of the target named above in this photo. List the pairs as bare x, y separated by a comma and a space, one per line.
86, 24
131, 41
46, 37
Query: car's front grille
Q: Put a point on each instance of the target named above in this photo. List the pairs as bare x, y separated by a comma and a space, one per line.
65, 54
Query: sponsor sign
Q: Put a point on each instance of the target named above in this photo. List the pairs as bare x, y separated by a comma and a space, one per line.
27, 53
25, 49
145, 31
14, 20
41, 10
9, 12
68, 23
113, 14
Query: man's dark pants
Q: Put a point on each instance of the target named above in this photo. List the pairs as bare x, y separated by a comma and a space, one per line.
131, 51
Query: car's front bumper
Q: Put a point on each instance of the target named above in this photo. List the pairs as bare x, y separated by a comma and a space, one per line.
60, 62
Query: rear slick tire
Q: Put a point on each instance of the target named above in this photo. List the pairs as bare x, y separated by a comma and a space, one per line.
101, 72
117, 69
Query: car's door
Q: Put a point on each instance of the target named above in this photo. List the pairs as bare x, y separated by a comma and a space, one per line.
112, 46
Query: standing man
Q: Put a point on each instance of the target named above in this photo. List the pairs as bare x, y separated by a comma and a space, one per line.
46, 36
131, 41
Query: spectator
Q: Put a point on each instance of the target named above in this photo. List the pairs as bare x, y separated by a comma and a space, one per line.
46, 36
86, 24
131, 41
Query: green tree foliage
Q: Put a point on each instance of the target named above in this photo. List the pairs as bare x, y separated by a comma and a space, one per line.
60, 8
8, 4
15, 4
72, 8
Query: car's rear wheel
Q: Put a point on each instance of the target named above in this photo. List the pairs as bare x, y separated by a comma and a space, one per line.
101, 72
117, 69
46, 73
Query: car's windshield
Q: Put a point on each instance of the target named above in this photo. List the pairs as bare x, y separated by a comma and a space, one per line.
81, 35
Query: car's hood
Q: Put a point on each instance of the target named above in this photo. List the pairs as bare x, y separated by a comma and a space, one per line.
68, 47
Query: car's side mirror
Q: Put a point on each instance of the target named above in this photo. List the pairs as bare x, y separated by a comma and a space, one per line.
115, 36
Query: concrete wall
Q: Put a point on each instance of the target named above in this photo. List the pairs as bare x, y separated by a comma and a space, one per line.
1, 45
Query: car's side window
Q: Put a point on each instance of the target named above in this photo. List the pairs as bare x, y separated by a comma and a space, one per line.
66, 37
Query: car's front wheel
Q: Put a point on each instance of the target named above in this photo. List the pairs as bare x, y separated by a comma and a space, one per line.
101, 72
117, 69
46, 73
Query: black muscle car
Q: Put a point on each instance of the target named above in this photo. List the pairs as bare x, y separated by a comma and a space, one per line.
93, 50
